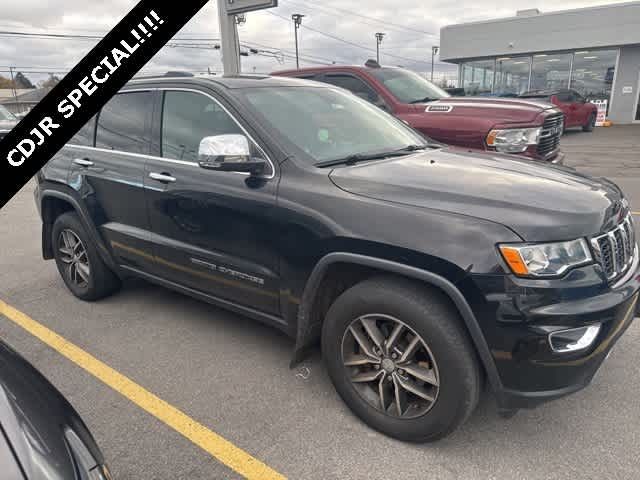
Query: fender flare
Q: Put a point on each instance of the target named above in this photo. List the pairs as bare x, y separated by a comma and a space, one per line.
86, 221
306, 332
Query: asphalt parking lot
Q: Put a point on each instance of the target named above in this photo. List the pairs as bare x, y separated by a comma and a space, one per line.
231, 374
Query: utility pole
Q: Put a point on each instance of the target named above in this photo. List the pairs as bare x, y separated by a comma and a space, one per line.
434, 52
379, 37
297, 21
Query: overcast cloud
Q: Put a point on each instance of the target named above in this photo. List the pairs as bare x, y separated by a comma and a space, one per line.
412, 30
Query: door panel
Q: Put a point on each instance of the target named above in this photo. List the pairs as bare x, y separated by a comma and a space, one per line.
212, 231
110, 178
583, 110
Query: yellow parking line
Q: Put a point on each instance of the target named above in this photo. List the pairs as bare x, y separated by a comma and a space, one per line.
635, 213
223, 450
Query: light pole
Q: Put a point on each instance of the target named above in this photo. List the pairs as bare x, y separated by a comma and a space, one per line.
434, 52
379, 37
297, 21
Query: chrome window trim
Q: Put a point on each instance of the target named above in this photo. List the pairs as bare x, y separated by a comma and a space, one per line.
184, 162
138, 155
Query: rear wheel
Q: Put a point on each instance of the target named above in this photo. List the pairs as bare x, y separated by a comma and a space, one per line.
591, 123
400, 358
78, 261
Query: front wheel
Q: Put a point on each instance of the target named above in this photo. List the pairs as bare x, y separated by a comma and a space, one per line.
400, 358
591, 123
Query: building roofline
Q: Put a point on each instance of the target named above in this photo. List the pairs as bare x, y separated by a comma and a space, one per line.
544, 14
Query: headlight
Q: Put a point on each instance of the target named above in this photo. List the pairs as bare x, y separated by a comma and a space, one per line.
513, 140
546, 259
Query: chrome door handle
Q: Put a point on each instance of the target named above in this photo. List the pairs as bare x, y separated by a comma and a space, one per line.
162, 177
83, 162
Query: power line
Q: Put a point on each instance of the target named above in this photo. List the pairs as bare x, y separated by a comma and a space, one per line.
350, 12
85, 37
317, 57
274, 53
413, 60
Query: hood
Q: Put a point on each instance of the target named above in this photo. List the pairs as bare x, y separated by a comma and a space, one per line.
6, 125
501, 110
34, 417
539, 202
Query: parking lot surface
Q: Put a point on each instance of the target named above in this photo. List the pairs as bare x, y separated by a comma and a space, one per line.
231, 374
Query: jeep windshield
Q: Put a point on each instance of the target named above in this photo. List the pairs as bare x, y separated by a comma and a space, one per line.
6, 115
330, 125
407, 86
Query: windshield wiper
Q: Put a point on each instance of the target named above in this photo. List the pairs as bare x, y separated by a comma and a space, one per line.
363, 157
424, 100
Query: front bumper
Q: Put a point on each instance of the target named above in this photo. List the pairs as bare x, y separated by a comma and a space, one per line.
519, 314
555, 157
558, 159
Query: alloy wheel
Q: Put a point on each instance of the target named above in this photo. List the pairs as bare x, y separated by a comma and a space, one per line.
390, 366
73, 255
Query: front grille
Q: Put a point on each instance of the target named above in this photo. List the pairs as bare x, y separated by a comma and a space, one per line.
615, 251
552, 129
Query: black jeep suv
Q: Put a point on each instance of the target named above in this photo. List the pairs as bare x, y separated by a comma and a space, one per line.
424, 270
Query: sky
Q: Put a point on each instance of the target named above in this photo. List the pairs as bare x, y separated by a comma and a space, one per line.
341, 31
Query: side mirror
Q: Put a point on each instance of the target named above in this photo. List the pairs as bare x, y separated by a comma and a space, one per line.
229, 153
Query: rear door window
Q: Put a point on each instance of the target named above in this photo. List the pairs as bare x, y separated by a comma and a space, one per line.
123, 123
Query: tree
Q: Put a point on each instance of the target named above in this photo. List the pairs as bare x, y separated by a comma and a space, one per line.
6, 83
22, 82
50, 82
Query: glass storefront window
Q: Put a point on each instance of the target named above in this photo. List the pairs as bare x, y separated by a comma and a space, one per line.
478, 77
512, 76
593, 73
550, 71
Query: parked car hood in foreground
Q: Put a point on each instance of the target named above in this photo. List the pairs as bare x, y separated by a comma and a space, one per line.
498, 109
6, 125
34, 417
539, 202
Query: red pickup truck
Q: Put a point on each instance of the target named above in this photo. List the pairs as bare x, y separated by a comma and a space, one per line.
526, 127
578, 112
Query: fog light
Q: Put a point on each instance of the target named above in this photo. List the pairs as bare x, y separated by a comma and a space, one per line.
573, 340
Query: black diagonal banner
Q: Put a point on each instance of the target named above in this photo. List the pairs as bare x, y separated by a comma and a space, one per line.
91, 83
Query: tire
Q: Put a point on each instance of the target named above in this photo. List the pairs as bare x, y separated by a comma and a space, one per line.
85, 274
426, 312
591, 123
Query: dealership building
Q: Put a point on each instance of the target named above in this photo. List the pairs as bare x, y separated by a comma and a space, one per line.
595, 51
